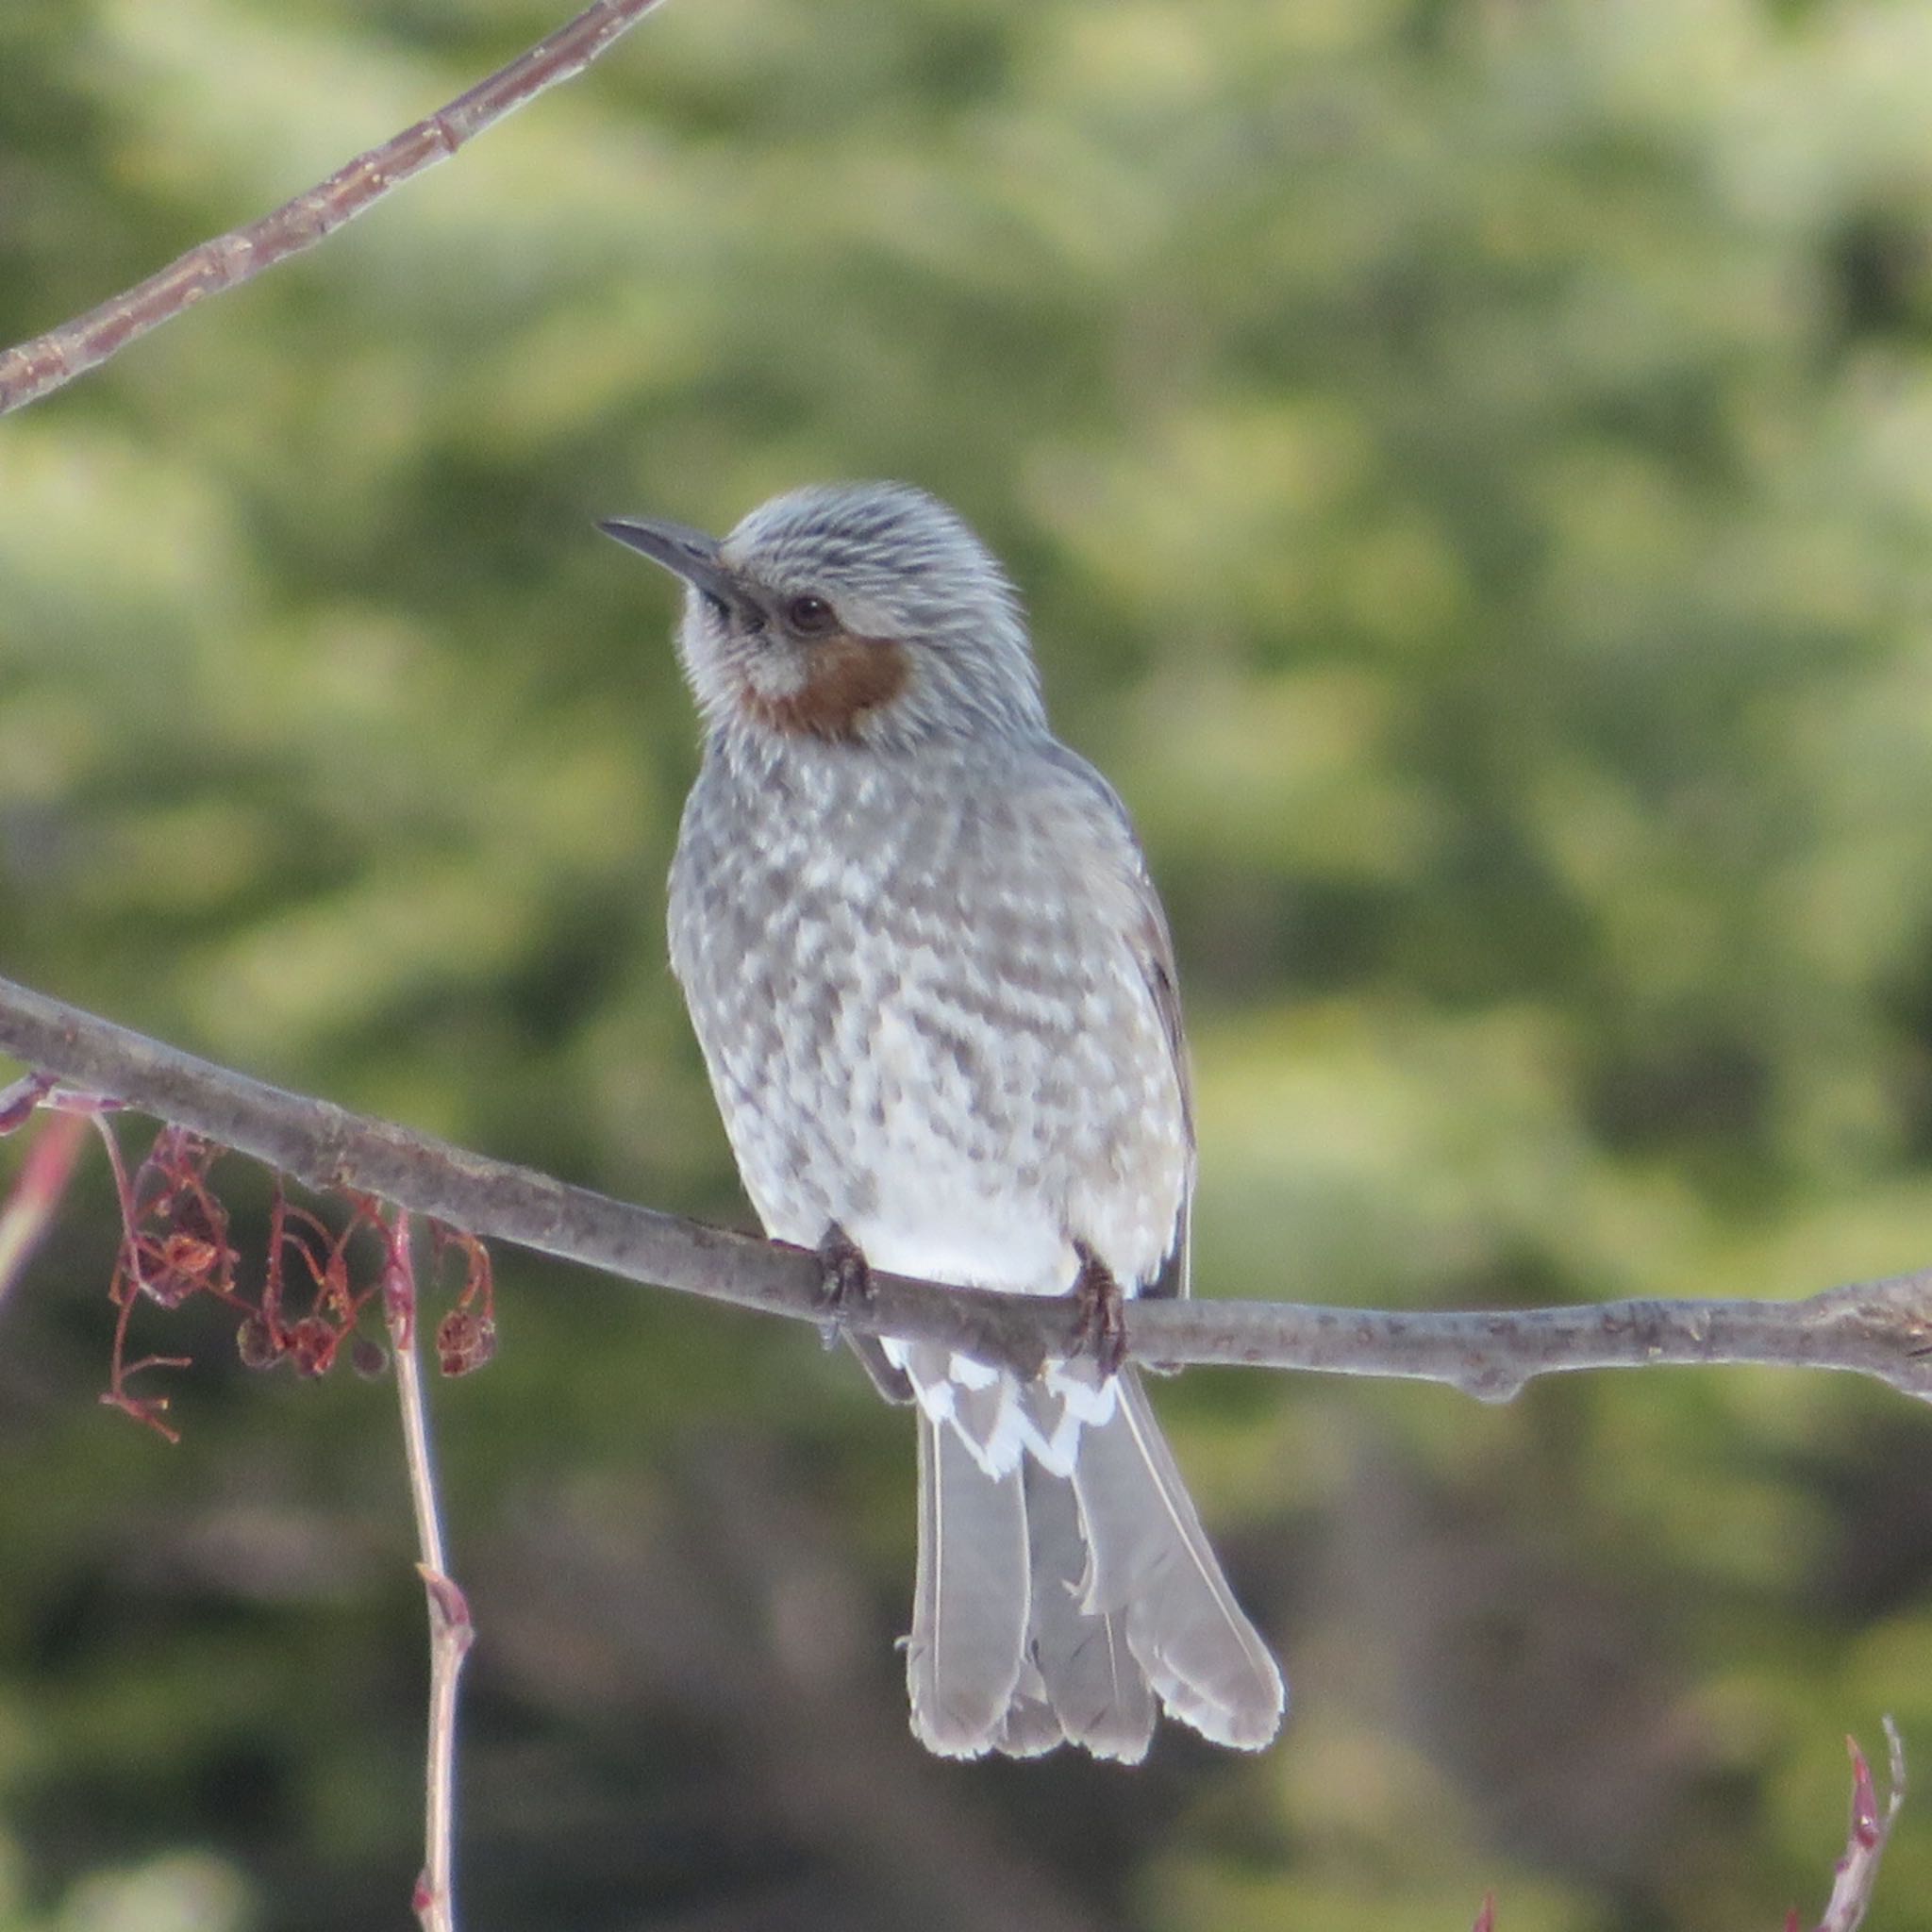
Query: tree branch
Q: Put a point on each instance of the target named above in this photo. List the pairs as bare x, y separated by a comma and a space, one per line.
1882, 1329
37, 368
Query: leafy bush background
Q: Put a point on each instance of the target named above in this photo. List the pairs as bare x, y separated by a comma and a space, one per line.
1471, 467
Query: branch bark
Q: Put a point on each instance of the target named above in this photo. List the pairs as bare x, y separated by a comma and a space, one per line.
37, 368
1882, 1329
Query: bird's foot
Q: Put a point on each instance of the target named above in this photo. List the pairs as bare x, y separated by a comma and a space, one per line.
844, 1274
846, 1278
1101, 1311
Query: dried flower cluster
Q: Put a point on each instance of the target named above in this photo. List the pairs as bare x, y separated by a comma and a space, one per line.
315, 1283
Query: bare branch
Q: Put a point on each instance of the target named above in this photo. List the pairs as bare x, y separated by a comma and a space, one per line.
1882, 1329
450, 1629
38, 367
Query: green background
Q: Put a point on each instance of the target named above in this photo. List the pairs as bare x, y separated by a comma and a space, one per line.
1471, 470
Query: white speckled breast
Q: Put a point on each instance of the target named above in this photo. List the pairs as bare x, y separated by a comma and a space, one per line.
916, 981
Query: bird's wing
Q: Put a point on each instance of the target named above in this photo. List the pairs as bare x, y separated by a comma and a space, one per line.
1153, 948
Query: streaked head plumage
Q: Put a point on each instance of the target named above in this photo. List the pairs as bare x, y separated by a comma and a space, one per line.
865, 614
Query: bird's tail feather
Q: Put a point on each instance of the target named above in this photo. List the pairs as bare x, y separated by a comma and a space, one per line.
1048, 1608
1089, 1683
1149, 1558
964, 1658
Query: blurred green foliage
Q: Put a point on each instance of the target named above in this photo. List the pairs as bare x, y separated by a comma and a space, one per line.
1471, 467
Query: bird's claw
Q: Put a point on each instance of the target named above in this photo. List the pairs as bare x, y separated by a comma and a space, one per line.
1100, 1311
844, 1274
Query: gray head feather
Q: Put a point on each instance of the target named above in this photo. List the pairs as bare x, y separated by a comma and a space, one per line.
897, 567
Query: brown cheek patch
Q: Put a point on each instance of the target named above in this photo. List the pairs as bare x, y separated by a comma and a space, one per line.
847, 677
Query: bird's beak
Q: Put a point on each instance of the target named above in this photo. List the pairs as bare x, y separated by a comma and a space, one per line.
686, 552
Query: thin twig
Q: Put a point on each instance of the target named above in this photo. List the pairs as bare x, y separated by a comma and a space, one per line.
1882, 1329
37, 368
30, 1206
450, 1629
1858, 1871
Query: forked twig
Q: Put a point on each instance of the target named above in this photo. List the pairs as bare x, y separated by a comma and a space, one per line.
37, 368
174, 1246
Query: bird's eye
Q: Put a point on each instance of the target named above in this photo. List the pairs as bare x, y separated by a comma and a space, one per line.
809, 615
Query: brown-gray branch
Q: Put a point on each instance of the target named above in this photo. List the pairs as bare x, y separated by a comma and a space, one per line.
1882, 1328
37, 368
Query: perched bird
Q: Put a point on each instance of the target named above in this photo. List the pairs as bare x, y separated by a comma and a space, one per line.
935, 992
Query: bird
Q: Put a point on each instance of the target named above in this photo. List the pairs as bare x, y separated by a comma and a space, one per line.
935, 992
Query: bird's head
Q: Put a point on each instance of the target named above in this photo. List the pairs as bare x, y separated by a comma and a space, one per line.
859, 613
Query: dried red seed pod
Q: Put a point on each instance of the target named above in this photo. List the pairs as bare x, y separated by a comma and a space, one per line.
312, 1343
369, 1359
256, 1345
177, 1266
464, 1342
